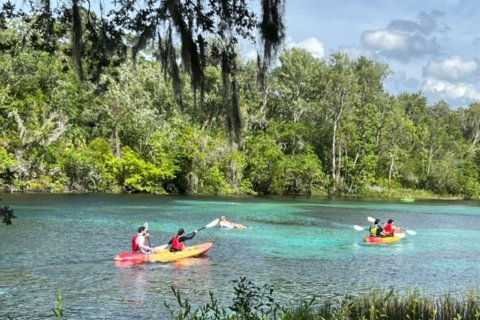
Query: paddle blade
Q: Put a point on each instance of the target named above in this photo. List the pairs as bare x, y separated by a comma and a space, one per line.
358, 228
156, 249
411, 232
146, 225
213, 223
371, 219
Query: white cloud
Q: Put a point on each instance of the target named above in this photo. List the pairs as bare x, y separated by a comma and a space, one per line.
453, 68
406, 39
451, 90
311, 44
384, 40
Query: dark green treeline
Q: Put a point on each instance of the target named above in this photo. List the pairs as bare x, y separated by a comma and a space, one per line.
318, 127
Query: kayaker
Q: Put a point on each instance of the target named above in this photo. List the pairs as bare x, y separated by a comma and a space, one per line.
389, 228
138, 241
375, 230
177, 241
223, 223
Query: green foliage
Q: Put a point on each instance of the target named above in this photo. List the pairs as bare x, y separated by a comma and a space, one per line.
317, 127
253, 302
89, 168
136, 174
58, 309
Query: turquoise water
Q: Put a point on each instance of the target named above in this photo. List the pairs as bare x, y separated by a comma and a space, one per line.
303, 247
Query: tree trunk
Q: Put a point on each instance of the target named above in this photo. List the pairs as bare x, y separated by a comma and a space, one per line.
334, 160
77, 39
116, 143
390, 171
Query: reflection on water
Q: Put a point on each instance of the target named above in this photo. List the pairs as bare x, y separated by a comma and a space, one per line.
302, 247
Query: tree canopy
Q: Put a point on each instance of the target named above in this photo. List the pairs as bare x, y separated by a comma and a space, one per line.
145, 98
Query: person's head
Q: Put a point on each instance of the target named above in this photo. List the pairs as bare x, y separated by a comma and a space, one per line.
142, 229
180, 232
377, 221
390, 221
222, 218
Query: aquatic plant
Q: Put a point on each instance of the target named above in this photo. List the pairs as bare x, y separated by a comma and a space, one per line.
253, 302
7, 215
58, 309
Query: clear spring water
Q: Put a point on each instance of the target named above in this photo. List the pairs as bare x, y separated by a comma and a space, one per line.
303, 247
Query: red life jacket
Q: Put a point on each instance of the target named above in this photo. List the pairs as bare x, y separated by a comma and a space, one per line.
388, 228
135, 247
177, 245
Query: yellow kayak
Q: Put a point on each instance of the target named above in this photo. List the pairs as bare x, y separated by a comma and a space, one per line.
164, 255
372, 239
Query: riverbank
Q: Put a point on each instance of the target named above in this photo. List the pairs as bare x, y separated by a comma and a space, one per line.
371, 193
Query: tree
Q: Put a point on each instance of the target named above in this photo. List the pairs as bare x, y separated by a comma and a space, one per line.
160, 24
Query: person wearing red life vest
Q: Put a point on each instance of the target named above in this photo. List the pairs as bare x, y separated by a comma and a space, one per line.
177, 241
389, 228
138, 241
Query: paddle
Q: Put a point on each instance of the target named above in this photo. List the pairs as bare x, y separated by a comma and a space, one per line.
410, 232
359, 228
146, 229
211, 224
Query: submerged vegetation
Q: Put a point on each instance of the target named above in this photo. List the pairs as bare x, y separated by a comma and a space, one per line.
86, 105
7, 215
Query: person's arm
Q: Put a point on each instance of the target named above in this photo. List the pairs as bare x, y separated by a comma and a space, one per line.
379, 231
226, 224
187, 236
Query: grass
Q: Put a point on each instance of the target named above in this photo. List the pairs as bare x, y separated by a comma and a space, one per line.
252, 302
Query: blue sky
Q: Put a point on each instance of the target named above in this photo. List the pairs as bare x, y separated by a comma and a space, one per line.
430, 46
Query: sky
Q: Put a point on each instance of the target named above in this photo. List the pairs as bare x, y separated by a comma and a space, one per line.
431, 46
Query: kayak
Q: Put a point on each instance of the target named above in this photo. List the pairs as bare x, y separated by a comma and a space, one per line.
164, 255
399, 233
407, 200
372, 239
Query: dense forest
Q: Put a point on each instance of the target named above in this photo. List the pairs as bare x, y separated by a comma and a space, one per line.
121, 118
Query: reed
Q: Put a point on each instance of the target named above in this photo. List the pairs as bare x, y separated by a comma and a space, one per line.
251, 302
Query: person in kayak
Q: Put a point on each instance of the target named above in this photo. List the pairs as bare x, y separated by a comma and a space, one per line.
223, 223
375, 230
138, 241
389, 228
177, 241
